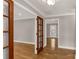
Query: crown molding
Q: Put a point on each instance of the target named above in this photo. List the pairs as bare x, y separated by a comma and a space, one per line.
33, 7
28, 10
58, 15
29, 18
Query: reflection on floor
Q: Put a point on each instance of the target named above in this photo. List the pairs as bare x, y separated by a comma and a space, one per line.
52, 43
26, 51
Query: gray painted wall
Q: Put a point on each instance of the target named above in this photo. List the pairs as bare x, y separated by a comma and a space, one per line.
5, 53
24, 31
67, 31
67, 34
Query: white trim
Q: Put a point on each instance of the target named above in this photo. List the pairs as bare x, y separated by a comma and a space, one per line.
35, 36
25, 18
63, 14
33, 7
44, 45
50, 21
20, 5
24, 42
5, 3
58, 30
73, 48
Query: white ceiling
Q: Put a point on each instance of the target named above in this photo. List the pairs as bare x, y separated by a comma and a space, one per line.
21, 13
31, 8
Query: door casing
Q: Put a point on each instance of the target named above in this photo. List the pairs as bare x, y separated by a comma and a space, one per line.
11, 20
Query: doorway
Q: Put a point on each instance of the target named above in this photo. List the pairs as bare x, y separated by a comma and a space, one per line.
51, 33
52, 36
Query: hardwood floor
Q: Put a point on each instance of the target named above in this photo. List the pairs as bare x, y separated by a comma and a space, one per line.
26, 51
23, 51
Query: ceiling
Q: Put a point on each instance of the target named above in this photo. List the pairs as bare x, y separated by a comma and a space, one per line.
31, 8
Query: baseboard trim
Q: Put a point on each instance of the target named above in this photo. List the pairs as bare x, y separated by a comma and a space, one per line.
71, 48
44, 46
24, 42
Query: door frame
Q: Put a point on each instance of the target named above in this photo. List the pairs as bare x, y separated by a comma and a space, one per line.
50, 21
51, 37
11, 23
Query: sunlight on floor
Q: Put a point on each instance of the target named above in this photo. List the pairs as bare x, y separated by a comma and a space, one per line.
53, 44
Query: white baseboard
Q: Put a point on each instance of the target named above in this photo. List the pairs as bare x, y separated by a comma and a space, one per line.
72, 48
24, 42
44, 46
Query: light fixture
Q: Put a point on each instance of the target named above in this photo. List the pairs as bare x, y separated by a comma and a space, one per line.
49, 2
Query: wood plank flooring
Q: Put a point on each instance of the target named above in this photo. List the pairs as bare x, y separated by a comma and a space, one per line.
23, 51
26, 51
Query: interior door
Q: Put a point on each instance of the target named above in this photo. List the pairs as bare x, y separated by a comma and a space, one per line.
8, 29
39, 34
